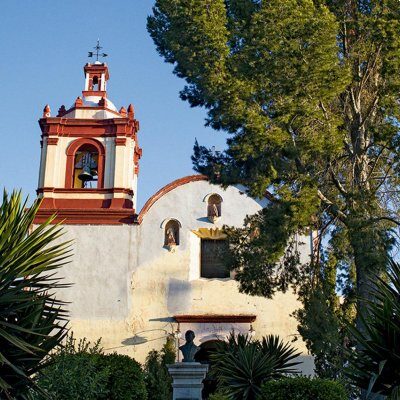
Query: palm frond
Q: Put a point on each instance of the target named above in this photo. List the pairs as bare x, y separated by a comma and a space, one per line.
242, 365
32, 320
375, 365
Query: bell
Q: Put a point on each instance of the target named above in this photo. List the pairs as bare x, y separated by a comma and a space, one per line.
86, 174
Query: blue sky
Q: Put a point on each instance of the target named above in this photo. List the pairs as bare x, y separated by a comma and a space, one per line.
43, 48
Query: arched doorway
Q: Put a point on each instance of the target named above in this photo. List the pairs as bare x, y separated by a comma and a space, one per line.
203, 357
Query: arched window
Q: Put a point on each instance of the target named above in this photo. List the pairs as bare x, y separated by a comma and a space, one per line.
95, 83
214, 210
85, 165
171, 233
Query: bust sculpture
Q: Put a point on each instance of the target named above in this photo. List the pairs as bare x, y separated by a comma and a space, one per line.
189, 349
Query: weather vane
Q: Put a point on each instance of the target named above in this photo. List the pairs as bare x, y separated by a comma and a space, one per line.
97, 52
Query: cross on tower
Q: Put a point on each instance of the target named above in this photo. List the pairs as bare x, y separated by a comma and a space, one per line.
97, 52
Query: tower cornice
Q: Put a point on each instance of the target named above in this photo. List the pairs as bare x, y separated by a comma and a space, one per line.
72, 127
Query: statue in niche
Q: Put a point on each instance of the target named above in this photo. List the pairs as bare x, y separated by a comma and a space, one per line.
189, 349
213, 213
214, 207
171, 239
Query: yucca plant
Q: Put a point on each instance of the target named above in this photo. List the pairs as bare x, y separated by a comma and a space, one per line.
241, 365
32, 320
283, 353
375, 365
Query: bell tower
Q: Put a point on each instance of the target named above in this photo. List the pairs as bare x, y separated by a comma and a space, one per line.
89, 158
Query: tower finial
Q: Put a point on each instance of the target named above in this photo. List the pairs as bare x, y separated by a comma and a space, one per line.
46, 111
97, 52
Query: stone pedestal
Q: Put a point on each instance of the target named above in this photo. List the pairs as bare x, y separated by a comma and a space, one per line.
187, 380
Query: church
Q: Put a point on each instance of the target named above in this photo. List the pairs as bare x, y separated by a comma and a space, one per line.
139, 276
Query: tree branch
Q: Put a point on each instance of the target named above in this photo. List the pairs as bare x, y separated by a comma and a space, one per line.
395, 221
340, 214
376, 162
369, 69
370, 111
322, 106
337, 183
384, 177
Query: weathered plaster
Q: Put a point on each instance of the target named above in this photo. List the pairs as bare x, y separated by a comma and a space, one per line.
128, 286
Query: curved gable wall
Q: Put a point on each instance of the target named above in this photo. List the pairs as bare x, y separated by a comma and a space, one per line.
186, 204
128, 286
168, 283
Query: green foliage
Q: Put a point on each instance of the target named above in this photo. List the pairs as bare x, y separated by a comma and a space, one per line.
32, 321
241, 366
323, 319
303, 388
82, 371
158, 380
125, 377
375, 367
73, 373
168, 351
244, 372
320, 327
308, 92
218, 396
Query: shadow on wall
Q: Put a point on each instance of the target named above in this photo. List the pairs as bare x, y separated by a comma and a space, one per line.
163, 319
134, 341
145, 337
205, 219
179, 296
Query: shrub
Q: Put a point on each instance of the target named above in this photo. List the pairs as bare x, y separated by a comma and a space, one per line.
74, 373
218, 396
125, 377
303, 388
84, 372
158, 380
241, 366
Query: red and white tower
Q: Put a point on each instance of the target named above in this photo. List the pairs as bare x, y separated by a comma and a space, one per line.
90, 157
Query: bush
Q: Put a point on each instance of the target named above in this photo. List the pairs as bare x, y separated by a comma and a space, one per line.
218, 396
125, 377
84, 372
73, 373
303, 388
158, 380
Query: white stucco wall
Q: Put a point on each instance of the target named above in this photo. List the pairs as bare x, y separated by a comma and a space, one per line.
128, 286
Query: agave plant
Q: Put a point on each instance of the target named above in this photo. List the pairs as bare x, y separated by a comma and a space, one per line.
375, 365
241, 365
283, 353
32, 321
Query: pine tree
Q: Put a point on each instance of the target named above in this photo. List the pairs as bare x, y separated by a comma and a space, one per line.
308, 92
